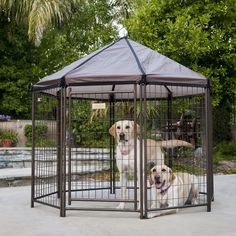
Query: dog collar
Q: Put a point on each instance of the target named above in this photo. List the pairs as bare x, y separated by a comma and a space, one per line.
164, 191
125, 152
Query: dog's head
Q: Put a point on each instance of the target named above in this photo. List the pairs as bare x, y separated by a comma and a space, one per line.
123, 130
161, 176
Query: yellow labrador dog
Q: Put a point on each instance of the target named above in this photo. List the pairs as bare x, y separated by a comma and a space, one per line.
170, 189
123, 131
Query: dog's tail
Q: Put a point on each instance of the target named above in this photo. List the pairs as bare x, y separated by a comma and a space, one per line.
174, 143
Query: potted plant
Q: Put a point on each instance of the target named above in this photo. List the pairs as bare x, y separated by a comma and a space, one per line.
8, 138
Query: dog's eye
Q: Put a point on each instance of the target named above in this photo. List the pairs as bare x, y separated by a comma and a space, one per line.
127, 126
163, 170
118, 127
154, 170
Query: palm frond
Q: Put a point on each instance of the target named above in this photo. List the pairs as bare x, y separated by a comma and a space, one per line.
43, 13
39, 14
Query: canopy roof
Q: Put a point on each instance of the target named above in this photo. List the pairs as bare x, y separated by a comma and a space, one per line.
119, 65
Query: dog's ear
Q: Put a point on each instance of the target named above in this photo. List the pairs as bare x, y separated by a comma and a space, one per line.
112, 130
150, 179
172, 176
137, 128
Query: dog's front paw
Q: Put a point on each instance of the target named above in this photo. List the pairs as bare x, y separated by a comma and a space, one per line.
121, 206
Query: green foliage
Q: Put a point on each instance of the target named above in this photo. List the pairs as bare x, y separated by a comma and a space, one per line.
224, 151
188, 169
41, 139
90, 27
89, 133
221, 123
199, 34
16, 74
8, 135
22, 64
38, 15
46, 105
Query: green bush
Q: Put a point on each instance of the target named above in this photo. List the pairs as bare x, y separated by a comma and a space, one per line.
87, 132
224, 151
40, 136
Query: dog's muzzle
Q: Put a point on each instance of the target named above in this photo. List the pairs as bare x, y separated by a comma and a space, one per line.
158, 182
157, 179
122, 137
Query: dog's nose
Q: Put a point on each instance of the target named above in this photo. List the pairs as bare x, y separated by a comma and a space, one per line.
157, 178
122, 136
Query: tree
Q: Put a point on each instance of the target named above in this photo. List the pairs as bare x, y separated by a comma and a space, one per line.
200, 35
17, 59
38, 15
23, 64
90, 27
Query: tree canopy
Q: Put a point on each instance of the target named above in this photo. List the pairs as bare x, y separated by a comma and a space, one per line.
22, 63
200, 35
38, 15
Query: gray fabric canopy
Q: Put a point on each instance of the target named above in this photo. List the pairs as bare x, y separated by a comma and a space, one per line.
123, 63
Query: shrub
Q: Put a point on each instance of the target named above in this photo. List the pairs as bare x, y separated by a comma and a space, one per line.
40, 135
224, 151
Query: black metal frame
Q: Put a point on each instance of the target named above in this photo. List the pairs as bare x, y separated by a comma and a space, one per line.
63, 191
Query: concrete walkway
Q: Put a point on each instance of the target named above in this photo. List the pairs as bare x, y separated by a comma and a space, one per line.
18, 219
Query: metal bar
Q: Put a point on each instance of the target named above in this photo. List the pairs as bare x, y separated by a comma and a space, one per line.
141, 153
106, 92
78, 190
202, 193
64, 145
69, 140
169, 208
110, 148
135, 149
91, 189
152, 81
139, 64
113, 150
33, 150
112, 153
144, 170
100, 200
58, 137
47, 204
208, 116
98, 209
63, 154
45, 195
107, 82
169, 127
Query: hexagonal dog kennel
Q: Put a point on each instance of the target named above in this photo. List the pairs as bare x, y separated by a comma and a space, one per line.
130, 130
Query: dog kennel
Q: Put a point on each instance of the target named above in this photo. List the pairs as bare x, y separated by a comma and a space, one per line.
74, 167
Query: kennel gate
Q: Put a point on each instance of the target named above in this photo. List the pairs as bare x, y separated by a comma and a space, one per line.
98, 183
69, 173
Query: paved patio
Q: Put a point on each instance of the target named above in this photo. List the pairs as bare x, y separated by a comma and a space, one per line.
18, 219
